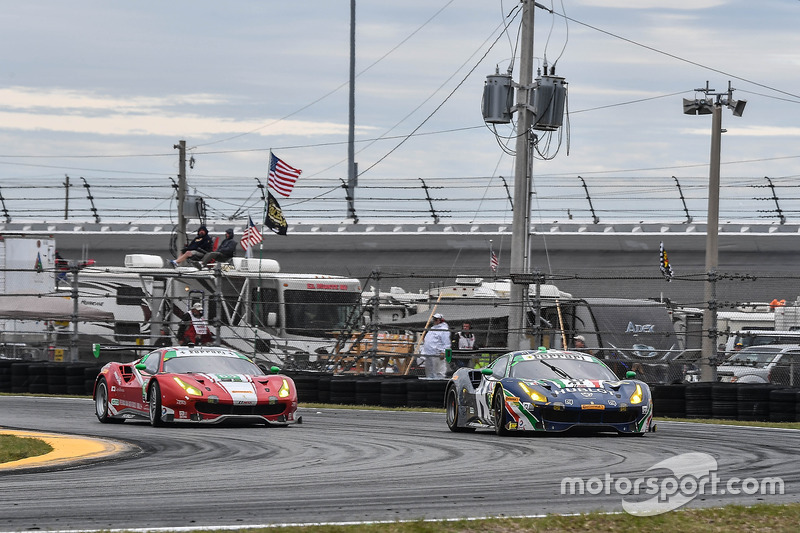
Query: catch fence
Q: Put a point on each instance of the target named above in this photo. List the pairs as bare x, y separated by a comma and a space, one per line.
644, 324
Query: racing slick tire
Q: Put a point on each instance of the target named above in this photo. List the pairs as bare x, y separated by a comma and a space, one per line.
451, 406
101, 404
155, 405
499, 412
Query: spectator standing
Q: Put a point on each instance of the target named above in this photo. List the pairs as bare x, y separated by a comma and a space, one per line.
465, 337
437, 340
194, 327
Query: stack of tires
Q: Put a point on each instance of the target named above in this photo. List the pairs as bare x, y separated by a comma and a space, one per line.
783, 405
307, 387
343, 390
436, 389
669, 401
753, 401
38, 378
19, 377
368, 392
394, 392
5, 374
698, 400
417, 393
724, 403
323, 389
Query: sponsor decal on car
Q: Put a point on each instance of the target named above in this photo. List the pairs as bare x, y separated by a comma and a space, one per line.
594, 406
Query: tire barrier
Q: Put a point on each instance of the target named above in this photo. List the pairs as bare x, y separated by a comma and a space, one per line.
783, 405
669, 400
724, 402
44, 377
732, 401
698, 400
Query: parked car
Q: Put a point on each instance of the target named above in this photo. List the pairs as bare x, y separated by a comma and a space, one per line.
773, 363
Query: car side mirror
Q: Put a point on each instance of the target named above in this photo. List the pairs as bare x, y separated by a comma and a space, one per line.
140, 366
630, 374
275, 369
487, 371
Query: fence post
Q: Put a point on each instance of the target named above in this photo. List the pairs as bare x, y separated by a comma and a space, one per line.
73, 340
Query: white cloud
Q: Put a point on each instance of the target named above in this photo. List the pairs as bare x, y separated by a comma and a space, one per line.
689, 5
28, 98
748, 131
162, 125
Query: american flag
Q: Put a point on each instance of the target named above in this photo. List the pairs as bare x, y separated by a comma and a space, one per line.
251, 235
281, 176
666, 268
493, 261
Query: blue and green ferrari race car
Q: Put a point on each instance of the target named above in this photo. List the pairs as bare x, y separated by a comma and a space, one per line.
547, 390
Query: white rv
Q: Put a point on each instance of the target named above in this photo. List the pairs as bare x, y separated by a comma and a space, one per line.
250, 305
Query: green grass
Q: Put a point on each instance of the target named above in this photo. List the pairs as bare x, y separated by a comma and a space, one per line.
13, 448
763, 517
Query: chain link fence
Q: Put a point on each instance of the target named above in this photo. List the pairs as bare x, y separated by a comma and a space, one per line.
634, 323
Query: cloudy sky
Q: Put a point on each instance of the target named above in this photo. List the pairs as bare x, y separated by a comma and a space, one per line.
104, 90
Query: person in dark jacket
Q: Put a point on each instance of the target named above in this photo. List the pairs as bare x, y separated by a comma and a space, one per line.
196, 249
224, 252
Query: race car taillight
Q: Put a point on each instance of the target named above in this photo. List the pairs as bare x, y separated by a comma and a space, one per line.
188, 388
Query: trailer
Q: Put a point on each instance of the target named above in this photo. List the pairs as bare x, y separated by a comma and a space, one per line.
250, 305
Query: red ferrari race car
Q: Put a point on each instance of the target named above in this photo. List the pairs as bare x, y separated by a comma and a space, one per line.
194, 384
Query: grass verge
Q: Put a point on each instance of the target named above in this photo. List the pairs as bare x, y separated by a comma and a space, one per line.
13, 448
762, 517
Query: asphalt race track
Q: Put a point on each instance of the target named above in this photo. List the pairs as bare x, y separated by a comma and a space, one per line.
350, 465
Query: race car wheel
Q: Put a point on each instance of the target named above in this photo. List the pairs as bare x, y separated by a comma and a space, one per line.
499, 412
155, 405
451, 405
101, 403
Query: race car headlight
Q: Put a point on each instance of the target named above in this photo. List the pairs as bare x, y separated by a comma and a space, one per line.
637, 395
535, 395
284, 392
188, 388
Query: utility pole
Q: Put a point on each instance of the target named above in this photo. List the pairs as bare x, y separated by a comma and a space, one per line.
520, 225
709, 342
352, 176
181, 147
707, 106
66, 196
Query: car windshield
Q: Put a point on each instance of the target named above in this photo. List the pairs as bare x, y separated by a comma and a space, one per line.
759, 357
211, 364
556, 368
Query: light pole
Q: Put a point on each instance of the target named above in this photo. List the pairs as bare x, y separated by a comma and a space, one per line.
707, 106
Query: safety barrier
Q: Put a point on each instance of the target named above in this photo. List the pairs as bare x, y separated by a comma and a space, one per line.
732, 401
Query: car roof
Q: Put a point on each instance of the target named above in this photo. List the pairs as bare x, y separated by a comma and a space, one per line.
533, 355
769, 348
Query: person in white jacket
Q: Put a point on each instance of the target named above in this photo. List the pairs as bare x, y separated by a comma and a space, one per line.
437, 340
